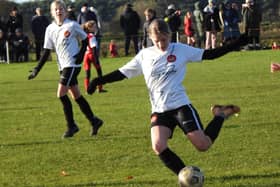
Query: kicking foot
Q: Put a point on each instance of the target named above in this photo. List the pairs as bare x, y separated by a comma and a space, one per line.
225, 110
71, 131
96, 124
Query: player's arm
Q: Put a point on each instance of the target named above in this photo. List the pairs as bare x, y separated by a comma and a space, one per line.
40, 64
80, 56
220, 51
108, 78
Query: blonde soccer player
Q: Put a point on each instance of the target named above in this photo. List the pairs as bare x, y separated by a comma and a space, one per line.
63, 36
164, 68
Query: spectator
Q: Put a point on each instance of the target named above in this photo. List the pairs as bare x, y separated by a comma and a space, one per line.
198, 20
3, 40
212, 24
113, 49
15, 21
189, 31
172, 17
275, 46
150, 15
252, 18
98, 34
230, 20
71, 13
130, 23
3, 25
39, 24
20, 44
86, 15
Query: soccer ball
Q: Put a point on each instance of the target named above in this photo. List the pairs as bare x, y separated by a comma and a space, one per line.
191, 176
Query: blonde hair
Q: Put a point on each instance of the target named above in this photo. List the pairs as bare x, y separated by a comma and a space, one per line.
58, 3
87, 25
158, 26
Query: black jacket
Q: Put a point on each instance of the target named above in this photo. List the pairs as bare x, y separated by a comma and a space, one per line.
38, 26
130, 22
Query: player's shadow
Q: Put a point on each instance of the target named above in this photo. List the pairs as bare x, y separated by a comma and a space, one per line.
243, 177
132, 183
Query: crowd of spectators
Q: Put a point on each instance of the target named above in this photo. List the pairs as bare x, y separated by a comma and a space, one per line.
201, 26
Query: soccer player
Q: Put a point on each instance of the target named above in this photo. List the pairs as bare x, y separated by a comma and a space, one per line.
91, 54
164, 69
63, 35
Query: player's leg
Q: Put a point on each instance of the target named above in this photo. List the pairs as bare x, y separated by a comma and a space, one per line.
82, 102
72, 128
86, 109
98, 68
190, 123
159, 136
87, 70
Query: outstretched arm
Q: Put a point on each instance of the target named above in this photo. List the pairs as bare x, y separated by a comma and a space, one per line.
110, 77
40, 64
220, 51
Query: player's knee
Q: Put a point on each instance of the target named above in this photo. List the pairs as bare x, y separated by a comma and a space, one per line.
202, 147
158, 148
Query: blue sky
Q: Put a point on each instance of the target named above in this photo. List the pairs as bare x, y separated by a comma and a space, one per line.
20, 1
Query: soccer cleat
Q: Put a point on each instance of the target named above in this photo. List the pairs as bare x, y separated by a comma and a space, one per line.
96, 124
71, 131
102, 91
225, 110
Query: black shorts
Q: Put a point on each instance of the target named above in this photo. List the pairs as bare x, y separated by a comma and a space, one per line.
186, 117
68, 76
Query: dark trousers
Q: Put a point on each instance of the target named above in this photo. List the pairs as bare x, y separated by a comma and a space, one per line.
38, 48
127, 43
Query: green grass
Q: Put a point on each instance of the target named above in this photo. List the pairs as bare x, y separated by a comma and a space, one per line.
246, 154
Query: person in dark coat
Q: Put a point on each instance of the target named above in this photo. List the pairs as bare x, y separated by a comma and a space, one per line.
20, 44
3, 56
130, 23
198, 23
212, 24
252, 18
15, 21
86, 15
172, 17
150, 15
39, 24
71, 13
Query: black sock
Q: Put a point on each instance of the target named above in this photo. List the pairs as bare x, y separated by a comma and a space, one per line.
214, 127
68, 111
171, 160
85, 108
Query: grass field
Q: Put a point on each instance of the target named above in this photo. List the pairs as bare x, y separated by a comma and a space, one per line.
246, 154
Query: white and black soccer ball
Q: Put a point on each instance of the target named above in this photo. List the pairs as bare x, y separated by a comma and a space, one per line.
191, 176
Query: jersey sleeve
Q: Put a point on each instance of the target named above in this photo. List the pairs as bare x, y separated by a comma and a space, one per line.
48, 44
132, 68
81, 34
194, 54
92, 42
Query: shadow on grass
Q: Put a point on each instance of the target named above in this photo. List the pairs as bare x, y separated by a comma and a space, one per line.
250, 177
70, 140
20, 108
136, 183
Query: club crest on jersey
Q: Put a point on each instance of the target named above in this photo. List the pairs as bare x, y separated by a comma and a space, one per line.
67, 34
171, 58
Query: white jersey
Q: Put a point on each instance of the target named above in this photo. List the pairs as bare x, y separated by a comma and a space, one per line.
164, 73
64, 40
